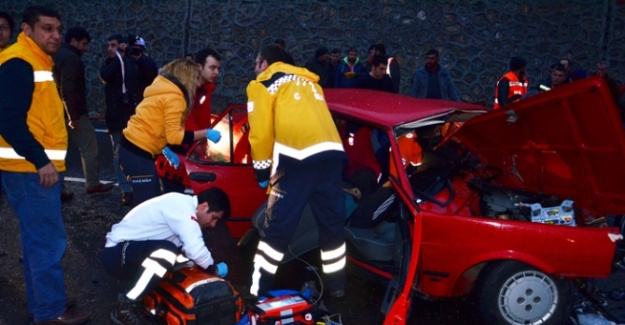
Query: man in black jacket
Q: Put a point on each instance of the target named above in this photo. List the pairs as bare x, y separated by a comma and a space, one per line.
126, 73
69, 74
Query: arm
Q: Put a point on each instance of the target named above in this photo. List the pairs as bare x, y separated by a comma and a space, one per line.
260, 116
414, 89
188, 232
451, 89
395, 75
503, 89
72, 84
110, 69
147, 68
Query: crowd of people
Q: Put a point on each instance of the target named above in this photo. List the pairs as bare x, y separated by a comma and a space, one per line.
152, 111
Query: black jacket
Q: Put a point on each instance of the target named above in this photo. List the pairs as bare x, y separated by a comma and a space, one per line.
138, 74
69, 74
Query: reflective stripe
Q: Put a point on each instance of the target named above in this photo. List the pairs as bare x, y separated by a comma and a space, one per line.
152, 268
274, 254
301, 154
43, 76
169, 256
255, 280
333, 267
182, 259
52, 154
335, 253
201, 282
263, 263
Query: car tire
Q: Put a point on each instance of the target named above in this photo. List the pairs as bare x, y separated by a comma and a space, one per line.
516, 293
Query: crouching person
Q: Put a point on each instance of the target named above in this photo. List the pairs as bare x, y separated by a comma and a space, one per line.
154, 236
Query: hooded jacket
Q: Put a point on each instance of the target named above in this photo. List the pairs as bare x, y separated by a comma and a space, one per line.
290, 124
159, 118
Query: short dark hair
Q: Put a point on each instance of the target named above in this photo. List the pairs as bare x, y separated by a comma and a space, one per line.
335, 51
380, 48
432, 51
200, 57
32, 14
272, 54
280, 41
117, 37
378, 59
9, 20
77, 33
559, 67
217, 201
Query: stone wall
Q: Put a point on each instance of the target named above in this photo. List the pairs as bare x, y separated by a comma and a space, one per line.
475, 38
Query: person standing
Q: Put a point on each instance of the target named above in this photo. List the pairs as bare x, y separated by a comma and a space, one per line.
377, 78
69, 73
126, 73
209, 63
6, 32
33, 145
153, 237
321, 66
512, 86
433, 81
299, 154
392, 66
158, 122
349, 70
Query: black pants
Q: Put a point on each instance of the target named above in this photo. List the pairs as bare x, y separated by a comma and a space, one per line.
144, 262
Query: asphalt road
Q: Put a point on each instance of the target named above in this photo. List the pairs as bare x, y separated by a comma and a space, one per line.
89, 217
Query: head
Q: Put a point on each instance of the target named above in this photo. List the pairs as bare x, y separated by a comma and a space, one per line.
6, 29
380, 49
378, 66
431, 58
602, 68
113, 43
136, 46
212, 205
187, 73
352, 55
189, 56
280, 43
209, 62
371, 51
78, 38
566, 63
335, 55
43, 26
558, 75
268, 55
517, 65
322, 54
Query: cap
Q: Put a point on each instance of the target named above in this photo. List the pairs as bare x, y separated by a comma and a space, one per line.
136, 40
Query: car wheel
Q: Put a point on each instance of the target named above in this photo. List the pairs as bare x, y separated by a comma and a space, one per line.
516, 293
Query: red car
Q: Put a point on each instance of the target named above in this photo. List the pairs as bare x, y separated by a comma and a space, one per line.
503, 203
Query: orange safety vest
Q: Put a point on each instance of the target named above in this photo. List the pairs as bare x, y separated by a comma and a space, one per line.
518, 88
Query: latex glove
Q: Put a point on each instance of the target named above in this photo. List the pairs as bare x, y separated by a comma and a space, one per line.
263, 184
171, 157
213, 135
221, 269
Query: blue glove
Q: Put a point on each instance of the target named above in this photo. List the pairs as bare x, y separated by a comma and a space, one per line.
171, 157
263, 184
221, 269
213, 135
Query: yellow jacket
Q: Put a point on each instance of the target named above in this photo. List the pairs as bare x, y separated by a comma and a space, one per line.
45, 118
290, 123
159, 118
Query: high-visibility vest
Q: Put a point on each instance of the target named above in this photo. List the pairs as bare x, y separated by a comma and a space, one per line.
518, 88
45, 119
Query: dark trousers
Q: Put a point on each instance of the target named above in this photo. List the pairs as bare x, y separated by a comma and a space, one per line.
141, 174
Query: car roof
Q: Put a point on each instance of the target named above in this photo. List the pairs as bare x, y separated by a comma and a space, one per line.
389, 109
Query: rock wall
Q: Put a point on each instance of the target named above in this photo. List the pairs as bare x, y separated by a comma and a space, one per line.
475, 38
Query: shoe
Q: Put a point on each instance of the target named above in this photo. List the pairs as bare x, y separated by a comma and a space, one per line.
125, 312
66, 196
100, 188
127, 198
70, 303
69, 317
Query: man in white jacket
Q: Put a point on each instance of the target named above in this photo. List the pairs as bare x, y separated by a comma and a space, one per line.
157, 234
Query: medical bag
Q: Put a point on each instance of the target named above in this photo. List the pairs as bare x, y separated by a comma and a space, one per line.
280, 308
191, 296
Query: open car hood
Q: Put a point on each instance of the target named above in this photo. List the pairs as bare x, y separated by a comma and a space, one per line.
567, 142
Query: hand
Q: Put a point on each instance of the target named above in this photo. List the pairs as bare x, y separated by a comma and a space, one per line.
263, 184
74, 124
213, 135
48, 175
221, 269
171, 157
349, 74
